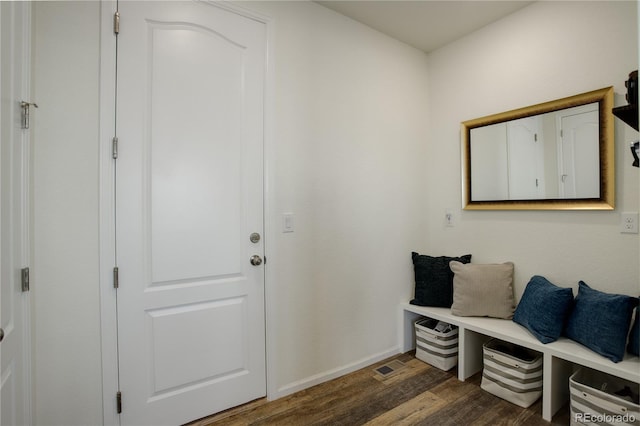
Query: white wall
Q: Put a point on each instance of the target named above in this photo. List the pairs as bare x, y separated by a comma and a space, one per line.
546, 51
347, 158
66, 310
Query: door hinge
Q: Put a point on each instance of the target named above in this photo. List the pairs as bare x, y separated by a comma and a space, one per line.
116, 23
114, 148
25, 113
25, 279
119, 402
535, 137
116, 280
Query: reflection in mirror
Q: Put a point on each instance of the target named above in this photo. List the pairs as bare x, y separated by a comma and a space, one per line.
556, 155
552, 155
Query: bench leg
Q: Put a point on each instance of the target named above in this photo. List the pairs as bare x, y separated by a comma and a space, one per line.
469, 352
555, 385
407, 334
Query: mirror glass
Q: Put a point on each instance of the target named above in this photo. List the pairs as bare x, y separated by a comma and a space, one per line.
553, 156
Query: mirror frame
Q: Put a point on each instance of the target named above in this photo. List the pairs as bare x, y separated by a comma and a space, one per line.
604, 97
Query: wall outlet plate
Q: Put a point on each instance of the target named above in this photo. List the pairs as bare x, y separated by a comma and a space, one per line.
629, 222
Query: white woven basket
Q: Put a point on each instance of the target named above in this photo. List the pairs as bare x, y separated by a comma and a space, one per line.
597, 398
436, 348
512, 372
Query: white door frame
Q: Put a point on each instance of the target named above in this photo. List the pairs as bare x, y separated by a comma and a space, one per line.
21, 60
107, 219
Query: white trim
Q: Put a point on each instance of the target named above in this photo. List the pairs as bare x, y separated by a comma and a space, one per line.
108, 318
19, 13
235, 7
2, 194
27, 214
336, 372
269, 196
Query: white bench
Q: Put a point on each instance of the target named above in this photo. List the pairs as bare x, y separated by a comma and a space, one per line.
560, 357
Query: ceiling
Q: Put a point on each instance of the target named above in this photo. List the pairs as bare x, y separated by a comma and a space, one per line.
425, 24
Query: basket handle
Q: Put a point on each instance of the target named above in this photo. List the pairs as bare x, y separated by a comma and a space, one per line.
603, 403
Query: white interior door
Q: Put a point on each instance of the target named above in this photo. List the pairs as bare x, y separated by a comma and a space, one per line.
579, 154
525, 152
489, 163
189, 195
14, 183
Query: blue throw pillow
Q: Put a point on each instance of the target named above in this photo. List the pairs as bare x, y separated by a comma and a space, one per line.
543, 309
600, 321
634, 336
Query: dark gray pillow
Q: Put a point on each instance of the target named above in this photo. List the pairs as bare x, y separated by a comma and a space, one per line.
434, 279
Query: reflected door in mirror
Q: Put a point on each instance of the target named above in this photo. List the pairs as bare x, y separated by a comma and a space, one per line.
580, 155
508, 161
556, 155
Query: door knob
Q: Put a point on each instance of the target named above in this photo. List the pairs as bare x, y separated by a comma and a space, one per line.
256, 260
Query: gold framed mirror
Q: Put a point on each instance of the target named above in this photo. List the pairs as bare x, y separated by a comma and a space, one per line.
558, 155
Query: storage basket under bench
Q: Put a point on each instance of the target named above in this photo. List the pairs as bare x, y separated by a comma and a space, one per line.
437, 343
599, 398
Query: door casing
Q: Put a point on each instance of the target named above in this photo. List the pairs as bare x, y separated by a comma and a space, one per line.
17, 203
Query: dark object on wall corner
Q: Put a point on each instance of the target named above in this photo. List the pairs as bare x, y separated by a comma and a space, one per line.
635, 147
629, 113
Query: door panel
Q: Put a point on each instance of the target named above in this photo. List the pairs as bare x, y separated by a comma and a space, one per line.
189, 103
208, 321
189, 193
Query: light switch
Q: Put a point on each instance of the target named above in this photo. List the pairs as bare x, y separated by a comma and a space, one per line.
287, 222
448, 218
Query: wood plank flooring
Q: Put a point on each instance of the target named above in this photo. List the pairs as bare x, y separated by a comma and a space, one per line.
413, 394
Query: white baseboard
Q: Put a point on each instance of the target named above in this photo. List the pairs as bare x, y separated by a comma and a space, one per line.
316, 379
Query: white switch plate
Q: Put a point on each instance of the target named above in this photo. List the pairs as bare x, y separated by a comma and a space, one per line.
448, 218
287, 222
629, 222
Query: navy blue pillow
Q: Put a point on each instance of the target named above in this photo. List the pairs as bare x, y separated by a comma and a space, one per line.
600, 321
434, 279
634, 336
543, 309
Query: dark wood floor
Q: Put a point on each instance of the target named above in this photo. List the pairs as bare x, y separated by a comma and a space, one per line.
413, 394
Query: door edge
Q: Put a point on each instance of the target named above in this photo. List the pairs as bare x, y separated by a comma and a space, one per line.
108, 318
